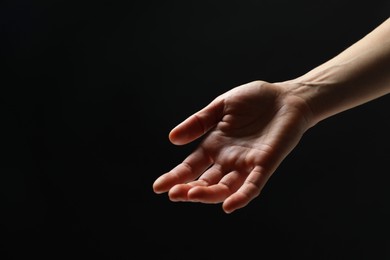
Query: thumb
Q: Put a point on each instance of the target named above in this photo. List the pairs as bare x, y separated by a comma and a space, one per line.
197, 124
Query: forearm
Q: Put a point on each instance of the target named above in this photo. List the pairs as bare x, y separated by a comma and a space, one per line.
357, 75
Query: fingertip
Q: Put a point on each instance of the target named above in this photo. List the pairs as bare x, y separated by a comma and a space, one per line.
226, 209
160, 185
177, 193
174, 138
197, 193
228, 212
233, 203
156, 188
187, 131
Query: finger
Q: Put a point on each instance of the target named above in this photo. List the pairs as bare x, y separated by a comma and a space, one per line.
197, 124
179, 192
218, 192
211, 176
210, 194
250, 189
190, 169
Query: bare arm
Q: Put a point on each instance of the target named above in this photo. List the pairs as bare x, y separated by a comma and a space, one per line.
355, 76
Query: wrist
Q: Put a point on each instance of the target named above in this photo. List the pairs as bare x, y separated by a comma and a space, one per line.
320, 91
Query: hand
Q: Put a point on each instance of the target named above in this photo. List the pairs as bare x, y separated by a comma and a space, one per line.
247, 132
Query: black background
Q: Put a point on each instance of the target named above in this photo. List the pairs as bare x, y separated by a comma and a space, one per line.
90, 90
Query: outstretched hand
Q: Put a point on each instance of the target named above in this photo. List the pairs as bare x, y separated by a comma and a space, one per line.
247, 132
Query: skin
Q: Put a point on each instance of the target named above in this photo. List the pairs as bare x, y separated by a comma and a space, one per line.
248, 131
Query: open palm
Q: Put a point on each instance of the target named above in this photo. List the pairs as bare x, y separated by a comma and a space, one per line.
247, 132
